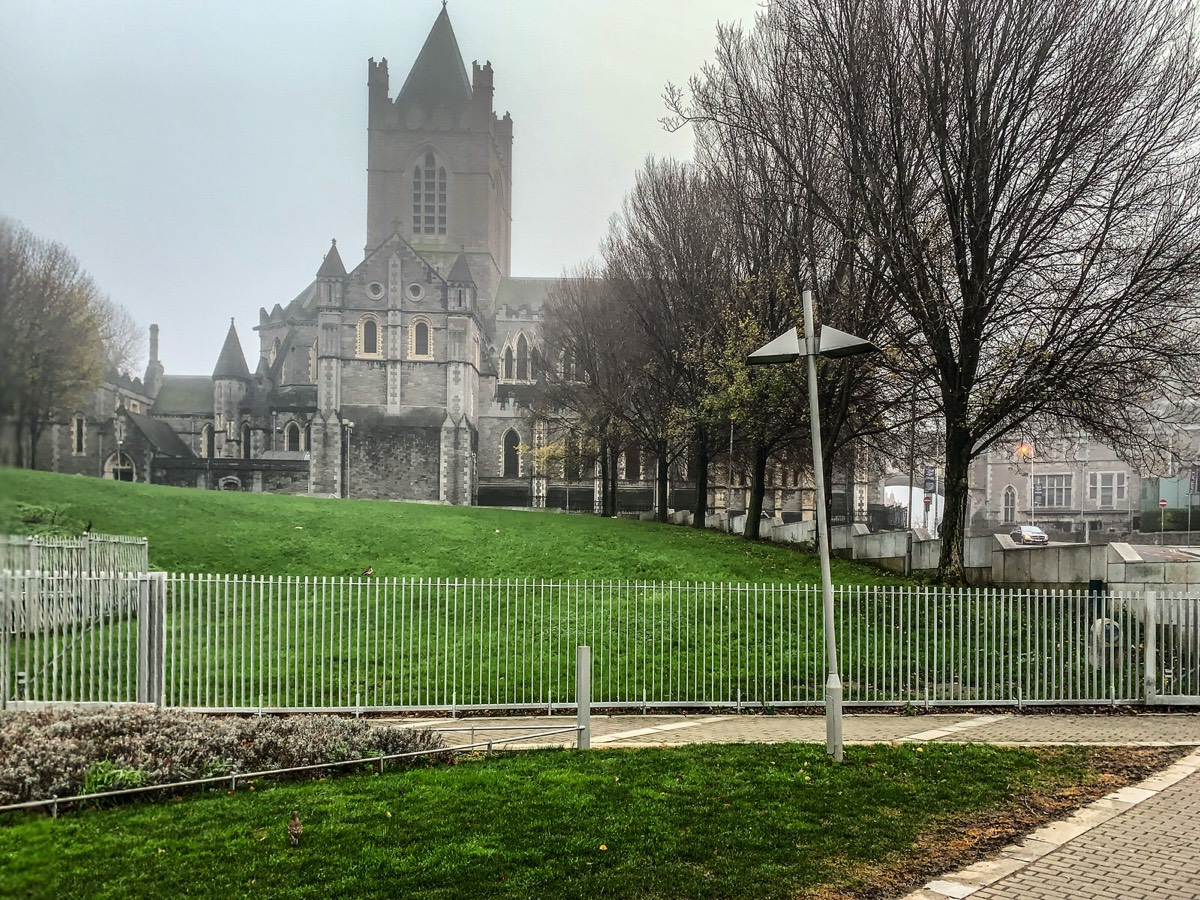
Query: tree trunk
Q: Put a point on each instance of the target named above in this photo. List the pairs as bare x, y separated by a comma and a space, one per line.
700, 461
605, 504
951, 565
758, 484
664, 483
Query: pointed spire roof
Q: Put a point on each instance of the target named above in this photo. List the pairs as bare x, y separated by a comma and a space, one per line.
232, 361
461, 272
332, 266
438, 77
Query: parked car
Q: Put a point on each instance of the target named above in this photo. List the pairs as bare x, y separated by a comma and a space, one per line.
1029, 534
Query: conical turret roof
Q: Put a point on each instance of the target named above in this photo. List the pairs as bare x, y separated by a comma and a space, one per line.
332, 266
232, 361
461, 271
438, 77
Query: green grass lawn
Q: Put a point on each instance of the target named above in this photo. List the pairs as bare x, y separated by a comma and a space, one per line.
212, 531
703, 821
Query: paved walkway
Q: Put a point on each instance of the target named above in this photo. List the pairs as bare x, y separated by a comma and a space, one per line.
1139, 842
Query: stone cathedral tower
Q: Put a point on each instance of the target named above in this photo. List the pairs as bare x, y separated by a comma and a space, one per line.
401, 338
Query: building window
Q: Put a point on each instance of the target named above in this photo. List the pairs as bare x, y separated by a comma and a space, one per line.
293, 437
308, 436
312, 363
633, 464
507, 373
274, 354
420, 339
369, 337
1010, 505
245, 441
429, 197
456, 342
78, 430
1106, 487
1052, 490
208, 445
512, 454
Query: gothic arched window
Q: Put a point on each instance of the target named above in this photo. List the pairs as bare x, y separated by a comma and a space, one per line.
429, 196
507, 373
308, 436
245, 441
522, 359
512, 454
1010, 505
293, 436
208, 444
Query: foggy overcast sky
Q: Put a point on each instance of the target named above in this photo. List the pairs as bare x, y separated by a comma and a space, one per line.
197, 157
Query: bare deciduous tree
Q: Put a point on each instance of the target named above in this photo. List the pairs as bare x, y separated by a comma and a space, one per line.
1022, 177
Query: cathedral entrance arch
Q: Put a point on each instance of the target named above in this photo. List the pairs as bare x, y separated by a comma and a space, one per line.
119, 467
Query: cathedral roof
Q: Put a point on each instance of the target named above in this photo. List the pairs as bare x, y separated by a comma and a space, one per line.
461, 271
232, 361
184, 395
332, 266
528, 292
438, 77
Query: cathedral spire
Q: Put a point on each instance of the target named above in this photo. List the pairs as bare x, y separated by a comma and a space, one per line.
438, 77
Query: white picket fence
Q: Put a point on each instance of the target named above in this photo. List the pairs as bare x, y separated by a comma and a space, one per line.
245, 643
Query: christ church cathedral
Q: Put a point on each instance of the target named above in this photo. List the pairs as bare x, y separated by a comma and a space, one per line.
405, 375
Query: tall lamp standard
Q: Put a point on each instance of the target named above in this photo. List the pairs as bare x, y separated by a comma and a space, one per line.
788, 347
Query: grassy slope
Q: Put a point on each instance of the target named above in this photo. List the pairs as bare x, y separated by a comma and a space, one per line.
702, 821
210, 531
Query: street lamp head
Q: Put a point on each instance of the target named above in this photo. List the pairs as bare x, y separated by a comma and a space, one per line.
789, 346
1025, 450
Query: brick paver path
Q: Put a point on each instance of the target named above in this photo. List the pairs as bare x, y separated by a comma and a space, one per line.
1149, 851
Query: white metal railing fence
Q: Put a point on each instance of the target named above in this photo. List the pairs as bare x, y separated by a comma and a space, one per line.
67, 617
89, 554
250, 643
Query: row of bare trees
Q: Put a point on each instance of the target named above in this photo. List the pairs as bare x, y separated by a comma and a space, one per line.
58, 336
1002, 193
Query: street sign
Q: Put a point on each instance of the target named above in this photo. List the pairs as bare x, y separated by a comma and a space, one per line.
1162, 504
1193, 480
928, 500
931, 481
1039, 492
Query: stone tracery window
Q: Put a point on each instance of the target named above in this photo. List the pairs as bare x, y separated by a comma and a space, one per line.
429, 197
293, 436
1010, 505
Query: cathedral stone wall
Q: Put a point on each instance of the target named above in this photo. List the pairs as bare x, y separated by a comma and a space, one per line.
389, 460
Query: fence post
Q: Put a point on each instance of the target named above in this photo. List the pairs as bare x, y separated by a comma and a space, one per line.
151, 637
583, 697
7, 587
1150, 630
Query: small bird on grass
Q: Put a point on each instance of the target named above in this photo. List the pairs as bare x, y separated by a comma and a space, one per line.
369, 570
295, 828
